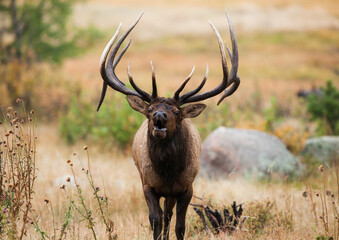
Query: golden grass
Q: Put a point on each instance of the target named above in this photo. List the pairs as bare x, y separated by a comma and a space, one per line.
119, 179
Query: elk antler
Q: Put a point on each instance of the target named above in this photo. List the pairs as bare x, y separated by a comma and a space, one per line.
108, 71
229, 79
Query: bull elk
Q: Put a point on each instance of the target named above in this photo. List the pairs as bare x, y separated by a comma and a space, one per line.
166, 148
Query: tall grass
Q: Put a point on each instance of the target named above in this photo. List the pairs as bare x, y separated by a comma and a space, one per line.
17, 171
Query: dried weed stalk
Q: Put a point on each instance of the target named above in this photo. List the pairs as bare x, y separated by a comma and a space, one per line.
17, 171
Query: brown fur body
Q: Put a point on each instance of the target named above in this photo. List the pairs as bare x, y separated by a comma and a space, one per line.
149, 175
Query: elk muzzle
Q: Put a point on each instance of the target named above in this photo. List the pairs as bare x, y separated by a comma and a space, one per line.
159, 124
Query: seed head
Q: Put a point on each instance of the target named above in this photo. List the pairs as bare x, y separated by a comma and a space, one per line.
68, 161
68, 179
317, 194
9, 109
62, 186
18, 100
321, 168
32, 112
71, 164
46, 201
328, 193
305, 194
85, 147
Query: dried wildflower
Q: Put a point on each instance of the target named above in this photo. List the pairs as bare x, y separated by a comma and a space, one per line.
15, 113
85, 147
68, 179
18, 100
9, 109
8, 115
68, 161
332, 196
46, 201
7, 134
317, 194
30, 119
321, 168
32, 112
74, 153
71, 164
328, 193
10, 131
22, 121
62, 186
305, 194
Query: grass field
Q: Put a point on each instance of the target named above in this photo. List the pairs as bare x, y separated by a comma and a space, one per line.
274, 64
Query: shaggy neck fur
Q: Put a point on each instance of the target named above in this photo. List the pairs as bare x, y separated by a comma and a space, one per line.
168, 155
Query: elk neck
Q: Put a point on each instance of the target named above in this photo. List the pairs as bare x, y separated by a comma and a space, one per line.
168, 155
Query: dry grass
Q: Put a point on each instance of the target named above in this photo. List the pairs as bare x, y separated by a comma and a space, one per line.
291, 216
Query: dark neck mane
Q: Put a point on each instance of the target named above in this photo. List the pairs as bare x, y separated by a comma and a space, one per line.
168, 155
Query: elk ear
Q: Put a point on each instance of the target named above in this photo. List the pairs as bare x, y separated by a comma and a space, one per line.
137, 104
192, 110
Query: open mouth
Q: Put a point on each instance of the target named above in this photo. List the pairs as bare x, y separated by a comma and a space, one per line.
159, 126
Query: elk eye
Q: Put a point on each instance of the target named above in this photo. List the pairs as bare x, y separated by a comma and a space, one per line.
176, 112
149, 110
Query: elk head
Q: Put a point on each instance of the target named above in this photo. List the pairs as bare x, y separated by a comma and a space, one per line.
165, 114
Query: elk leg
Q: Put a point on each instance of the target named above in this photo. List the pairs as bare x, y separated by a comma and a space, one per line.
168, 212
182, 205
155, 212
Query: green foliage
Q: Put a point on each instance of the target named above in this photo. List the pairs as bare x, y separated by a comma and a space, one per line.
116, 121
325, 109
41, 31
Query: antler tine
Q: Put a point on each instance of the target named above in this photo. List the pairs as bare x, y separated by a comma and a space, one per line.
102, 65
222, 85
229, 78
154, 83
177, 93
108, 72
191, 93
145, 95
234, 78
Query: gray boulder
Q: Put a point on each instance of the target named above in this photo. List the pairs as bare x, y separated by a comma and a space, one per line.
248, 153
322, 149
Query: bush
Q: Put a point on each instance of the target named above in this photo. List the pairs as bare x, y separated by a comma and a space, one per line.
325, 110
40, 86
116, 120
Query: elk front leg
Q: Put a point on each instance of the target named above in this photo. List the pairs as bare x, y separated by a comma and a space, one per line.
168, 212
155, 212
182, 204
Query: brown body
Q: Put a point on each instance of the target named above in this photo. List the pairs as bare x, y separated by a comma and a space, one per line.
166, 148
150, 178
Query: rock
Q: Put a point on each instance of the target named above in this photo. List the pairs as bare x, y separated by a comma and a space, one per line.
322, 149
248, 153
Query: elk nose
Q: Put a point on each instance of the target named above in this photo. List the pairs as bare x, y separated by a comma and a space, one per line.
160, 115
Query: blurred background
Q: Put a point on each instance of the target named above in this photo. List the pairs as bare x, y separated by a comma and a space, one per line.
289, 71
50, 52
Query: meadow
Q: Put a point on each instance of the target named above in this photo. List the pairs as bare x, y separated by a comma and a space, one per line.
85, 183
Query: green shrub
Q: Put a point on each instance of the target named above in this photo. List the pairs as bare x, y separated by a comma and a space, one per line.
325, 109
115, 121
